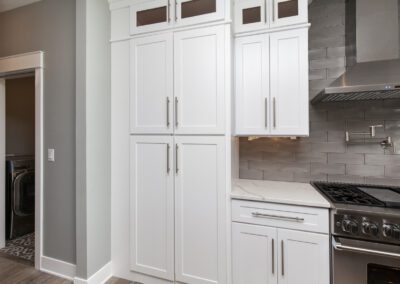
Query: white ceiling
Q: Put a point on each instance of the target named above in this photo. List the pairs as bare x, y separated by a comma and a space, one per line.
6, 5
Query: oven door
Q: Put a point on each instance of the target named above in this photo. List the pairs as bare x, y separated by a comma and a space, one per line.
361, 262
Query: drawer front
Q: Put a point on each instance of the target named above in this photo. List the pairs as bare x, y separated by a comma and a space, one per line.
282, 216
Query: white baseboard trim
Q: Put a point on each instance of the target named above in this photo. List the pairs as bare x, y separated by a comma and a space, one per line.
58, 268
100, 277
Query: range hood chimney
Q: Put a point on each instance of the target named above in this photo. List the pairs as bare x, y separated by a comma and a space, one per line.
376, 75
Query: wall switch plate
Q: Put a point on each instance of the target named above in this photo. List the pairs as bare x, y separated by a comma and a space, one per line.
51, 155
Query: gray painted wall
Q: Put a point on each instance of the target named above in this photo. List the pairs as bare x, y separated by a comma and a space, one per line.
49, 25
325, 155
93, 137
20, 116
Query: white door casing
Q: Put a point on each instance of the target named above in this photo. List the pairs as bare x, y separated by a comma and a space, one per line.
21, 64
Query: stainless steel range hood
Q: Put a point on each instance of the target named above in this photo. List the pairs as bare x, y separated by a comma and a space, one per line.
375, 80
373, 27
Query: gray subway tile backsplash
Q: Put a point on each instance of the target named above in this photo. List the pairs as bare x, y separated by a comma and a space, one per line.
325, 155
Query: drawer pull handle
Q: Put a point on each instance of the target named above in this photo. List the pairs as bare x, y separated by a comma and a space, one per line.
269, 216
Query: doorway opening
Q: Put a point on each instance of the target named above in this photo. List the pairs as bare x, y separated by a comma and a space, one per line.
21, 161
20, 166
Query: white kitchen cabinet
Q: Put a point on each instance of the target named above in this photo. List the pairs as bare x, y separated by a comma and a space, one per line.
151, 15
252, 15
271, 87
200, 238
157, 15
152, 84
252, 85
303, 257
152, 206
273, 253
254, 254
289, 82
199, 81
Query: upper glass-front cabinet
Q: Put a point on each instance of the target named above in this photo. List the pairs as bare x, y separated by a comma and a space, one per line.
199, 11
263, 14
153, 15
150, 16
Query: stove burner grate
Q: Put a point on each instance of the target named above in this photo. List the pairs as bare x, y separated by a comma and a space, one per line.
347, 194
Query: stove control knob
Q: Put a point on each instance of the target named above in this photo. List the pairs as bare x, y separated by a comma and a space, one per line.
370, 228
349, 226
396, 232
388, 230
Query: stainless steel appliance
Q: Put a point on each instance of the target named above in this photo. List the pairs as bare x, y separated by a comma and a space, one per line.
20, 196
365, 227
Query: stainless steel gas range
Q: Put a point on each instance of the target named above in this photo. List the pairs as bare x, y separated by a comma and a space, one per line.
365, 227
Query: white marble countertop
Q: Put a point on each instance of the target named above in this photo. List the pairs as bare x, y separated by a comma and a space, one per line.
292, 193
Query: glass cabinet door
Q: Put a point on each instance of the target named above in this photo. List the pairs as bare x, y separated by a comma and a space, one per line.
198, 11
151, 16
289, 12
250, 15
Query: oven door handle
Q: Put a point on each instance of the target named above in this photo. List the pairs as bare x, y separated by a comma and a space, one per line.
340, 247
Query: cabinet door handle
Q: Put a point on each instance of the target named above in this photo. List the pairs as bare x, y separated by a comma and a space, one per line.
168, 149
169, 11
265, 11
176, 112
274, 110
273, 256
168, 123
176, 158
266, 112
270, 216
176, 9
283, 258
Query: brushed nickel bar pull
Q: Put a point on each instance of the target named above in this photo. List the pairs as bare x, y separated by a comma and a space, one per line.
273, 256
266, 112
169, 11
168, 149
176, 112
265, 11
283, 258
176, 9
168, 123
274, 108
176, 158
270, 216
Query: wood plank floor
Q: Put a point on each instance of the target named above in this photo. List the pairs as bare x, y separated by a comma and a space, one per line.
18, 271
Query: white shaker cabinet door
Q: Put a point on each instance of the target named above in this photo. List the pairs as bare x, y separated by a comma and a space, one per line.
303, 257
252, 85
199, 81
152, 206
200, 205
289, 83
254, 254
152, 84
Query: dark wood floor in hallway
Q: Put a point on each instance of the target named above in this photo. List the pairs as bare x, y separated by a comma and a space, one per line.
19, 271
